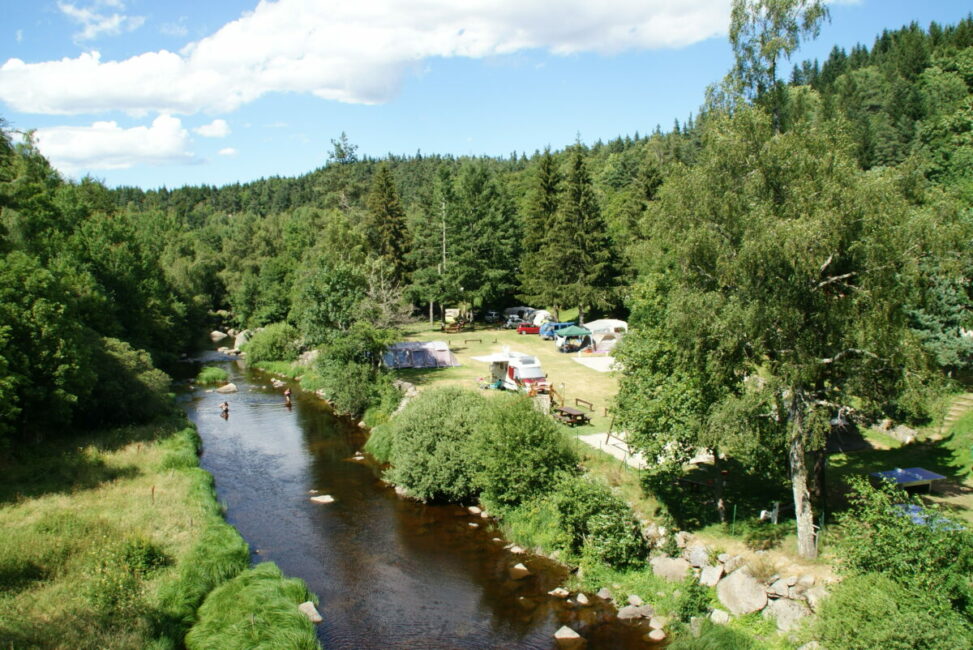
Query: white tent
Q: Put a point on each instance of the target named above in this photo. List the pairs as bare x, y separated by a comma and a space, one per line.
605, 333
541, 316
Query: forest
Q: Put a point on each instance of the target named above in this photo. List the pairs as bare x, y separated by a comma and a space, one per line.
800, 248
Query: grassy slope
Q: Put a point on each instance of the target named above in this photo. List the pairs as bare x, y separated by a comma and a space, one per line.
111, 540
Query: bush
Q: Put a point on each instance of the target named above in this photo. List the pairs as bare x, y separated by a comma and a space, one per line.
762, 535
379, 443
935, 558
212, 375
694, 600
714, 637
350, 386
128, 389
872, 611
518, 451
256, 609
430, 451
276, 342
615, 535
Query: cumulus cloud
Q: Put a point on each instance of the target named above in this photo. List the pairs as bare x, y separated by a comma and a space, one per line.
95, 23
356, 52
227, 151
215, 129
106, 145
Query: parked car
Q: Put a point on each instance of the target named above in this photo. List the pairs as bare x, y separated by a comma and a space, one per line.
513, 322
549, 328
492, 316
528, 328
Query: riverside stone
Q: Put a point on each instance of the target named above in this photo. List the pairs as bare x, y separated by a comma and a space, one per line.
518, 571
788, 613
566, 638
671, 568
629, 612
217, 335
227, 388
605, 594
582, 600
324, 498
635, 601
656, 636
309, 610
719, 616
815, 596
711, 575
697, 555
741, 593
559, 592
474, 510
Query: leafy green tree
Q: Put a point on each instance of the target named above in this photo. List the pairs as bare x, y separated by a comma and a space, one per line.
275, 342
326, 298
780, 254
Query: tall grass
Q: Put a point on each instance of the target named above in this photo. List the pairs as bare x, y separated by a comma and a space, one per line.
212, 375
256, 609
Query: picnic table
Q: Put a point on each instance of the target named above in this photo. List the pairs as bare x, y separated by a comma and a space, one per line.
569, 416
909, 477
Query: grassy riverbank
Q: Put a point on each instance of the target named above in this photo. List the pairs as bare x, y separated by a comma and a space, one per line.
113, 540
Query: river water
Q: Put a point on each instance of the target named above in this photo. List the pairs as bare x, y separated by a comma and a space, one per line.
390, 573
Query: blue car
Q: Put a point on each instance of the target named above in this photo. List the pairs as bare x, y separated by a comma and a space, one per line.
550, 327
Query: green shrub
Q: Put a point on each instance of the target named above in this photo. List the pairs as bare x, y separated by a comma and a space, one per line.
256, 609
872, 611
714, 637
694, 600
379, 443
430, 452
518, 451
127, 389
212, 375
275, 342
350, 386
615, 535
935, 558
762, 535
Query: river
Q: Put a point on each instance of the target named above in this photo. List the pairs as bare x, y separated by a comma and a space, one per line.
390, 573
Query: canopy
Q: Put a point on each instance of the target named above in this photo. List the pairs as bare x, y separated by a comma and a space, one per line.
574, 330
607, 325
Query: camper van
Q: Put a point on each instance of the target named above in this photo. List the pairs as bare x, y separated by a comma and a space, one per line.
518, 371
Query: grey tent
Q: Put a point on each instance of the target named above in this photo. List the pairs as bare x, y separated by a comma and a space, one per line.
419, 354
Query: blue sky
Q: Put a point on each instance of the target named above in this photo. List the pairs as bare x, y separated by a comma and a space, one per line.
170, 93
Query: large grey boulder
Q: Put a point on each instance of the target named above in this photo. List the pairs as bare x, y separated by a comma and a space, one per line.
227, 388
629, 612
788, 613
697, 555
711, 575
733, 563
741, 593
673, 569
310, 611
216, 336
719, 616
780, 588
241, 339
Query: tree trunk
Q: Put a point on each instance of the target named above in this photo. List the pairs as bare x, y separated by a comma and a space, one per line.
797, 457
718, 484
431, 320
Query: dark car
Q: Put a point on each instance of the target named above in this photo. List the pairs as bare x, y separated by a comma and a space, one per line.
528, 328
513, 322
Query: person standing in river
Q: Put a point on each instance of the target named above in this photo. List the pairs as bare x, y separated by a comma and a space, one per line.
287, 396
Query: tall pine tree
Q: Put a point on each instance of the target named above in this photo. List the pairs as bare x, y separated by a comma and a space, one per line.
385, 223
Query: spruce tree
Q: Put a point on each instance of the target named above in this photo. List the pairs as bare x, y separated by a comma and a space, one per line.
385, 223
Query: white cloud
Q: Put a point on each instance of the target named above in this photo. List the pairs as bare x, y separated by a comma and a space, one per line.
177, 28
106, 145
355, 52
227, 151
215, 129
95, 23
20, 35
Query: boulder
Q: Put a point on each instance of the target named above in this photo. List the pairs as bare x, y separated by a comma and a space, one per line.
741, 593
779, 589
697, 555
904, 434
565, 637
733, 563
309, 610
711, 575
217, 335
605, 594
805, 581
635, 600
518, 571
657, 623
517, 550
227, 388
323, 498
474, 510
670, 568
560, 592
629, 612
656, 636
788, 613
582, 600
719, 616
242, 338
723, 557
682, 538
815, 596
473, 524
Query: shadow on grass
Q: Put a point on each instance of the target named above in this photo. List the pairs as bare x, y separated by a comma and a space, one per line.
68, 464
422, 376
934, 456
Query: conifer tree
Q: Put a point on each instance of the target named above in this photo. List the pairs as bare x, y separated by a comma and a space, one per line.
385, 223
